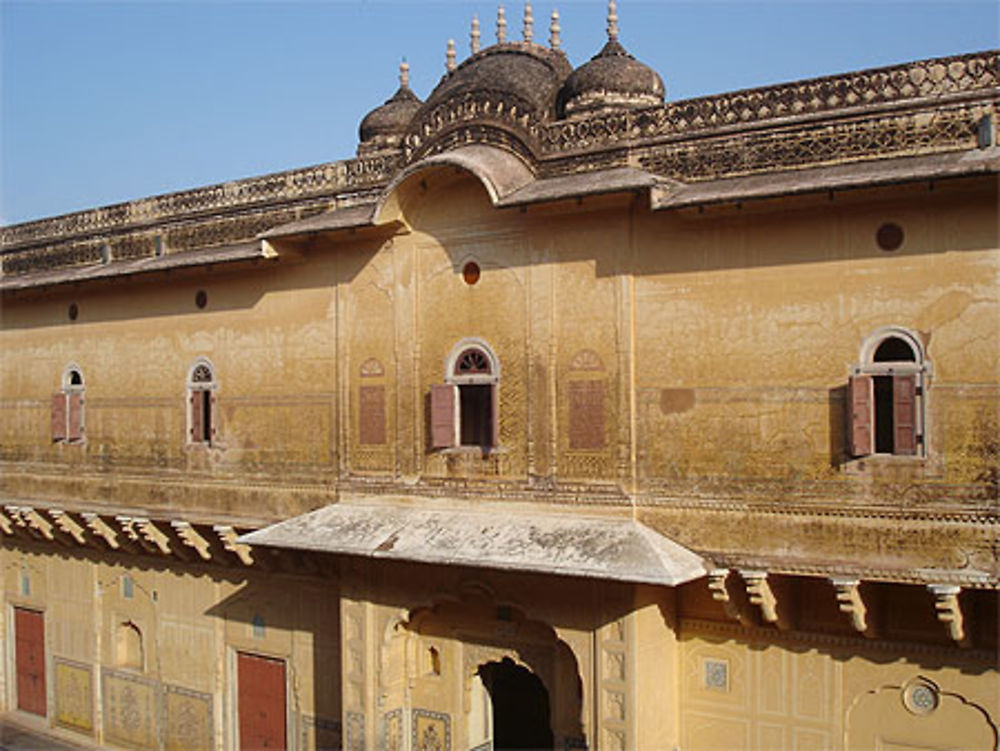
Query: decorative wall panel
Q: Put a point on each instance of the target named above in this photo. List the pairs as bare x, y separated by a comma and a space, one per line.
187, 720
74, 695
131, 710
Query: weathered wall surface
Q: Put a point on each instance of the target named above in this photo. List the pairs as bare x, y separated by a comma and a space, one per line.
686, 358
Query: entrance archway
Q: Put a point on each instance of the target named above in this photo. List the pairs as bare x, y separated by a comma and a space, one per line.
520, 704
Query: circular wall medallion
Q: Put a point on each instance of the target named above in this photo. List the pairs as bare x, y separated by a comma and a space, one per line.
201, 298
921, 697
73, 312
889, 236
471, 272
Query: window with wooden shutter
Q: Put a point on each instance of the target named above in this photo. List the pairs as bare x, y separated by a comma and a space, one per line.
196, 419
444, 408
860, 394
75, 417
586, 414
59, 417
904, 414
211, 409
494, 414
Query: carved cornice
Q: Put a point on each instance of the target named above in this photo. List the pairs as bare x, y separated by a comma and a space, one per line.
331, 179
922, 107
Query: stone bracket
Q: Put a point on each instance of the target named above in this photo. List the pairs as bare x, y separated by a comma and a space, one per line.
949, 611
849, 601
5, 524
760, 593
155, 536
190, 537
227, 536
68, 526
101, 529
733, 601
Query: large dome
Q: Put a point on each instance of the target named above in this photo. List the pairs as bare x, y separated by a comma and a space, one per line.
523, 71
612, 79
385, 125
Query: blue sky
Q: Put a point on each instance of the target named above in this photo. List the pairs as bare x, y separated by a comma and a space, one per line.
109, 101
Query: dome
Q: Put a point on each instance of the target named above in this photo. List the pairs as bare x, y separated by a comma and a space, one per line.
612, 79
523, 71
385, 125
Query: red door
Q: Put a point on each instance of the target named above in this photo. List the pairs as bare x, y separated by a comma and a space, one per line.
29, 638
261, 699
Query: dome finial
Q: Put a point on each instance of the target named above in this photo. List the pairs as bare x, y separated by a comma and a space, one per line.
529, 23
450, 56
404, 74
612, 20
554, 29
474, 35
501, 24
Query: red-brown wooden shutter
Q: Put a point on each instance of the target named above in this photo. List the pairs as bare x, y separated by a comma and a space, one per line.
261, 702
59, 417
197, 420
75, 416
586, 414
29, 654
495, 414
444, 432
904, 414
860, 412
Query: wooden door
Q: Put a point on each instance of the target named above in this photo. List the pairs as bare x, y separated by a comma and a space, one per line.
29, 638
261, 702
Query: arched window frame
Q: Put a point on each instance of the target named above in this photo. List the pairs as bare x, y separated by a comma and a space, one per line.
68, 407
465, 408
876, 426
201, 404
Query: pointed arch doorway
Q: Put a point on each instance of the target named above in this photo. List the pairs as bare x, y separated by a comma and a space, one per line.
518, 706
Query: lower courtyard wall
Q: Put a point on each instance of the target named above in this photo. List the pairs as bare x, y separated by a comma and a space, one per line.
142, 654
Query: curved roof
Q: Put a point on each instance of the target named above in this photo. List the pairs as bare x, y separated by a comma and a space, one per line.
391, 118
525, 71
612, 78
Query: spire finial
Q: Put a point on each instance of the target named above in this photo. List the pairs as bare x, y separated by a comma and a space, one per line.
450, 56
612, 20
501, 24
474, 35
529, 23
404, 74
554, 29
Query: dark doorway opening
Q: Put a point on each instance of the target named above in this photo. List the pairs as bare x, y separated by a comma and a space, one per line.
520, 706
476, 414
884, 429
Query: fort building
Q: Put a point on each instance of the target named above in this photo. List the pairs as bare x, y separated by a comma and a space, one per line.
564, 415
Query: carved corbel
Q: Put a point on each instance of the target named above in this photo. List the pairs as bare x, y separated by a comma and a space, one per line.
130, 533
38, 523
227, 536
68, 526
949, 611
102, 529
849, 601
760, 593
190, 537
733, 601
6, 524
153, 535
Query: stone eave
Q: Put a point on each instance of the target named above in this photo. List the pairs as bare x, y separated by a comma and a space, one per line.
856, 175
609, 548
224, 255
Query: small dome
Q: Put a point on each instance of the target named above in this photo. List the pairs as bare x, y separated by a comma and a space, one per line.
526, 71
385, 125
612, 79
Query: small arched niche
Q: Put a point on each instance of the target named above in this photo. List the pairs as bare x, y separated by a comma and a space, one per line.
128, 646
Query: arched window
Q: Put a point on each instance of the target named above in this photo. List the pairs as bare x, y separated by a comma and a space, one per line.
887, 395
464, 409
128, 646
201, 403
67, 408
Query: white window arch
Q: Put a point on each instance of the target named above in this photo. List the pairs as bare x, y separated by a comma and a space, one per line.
202, 402
887, 395
67, 407
465, 408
